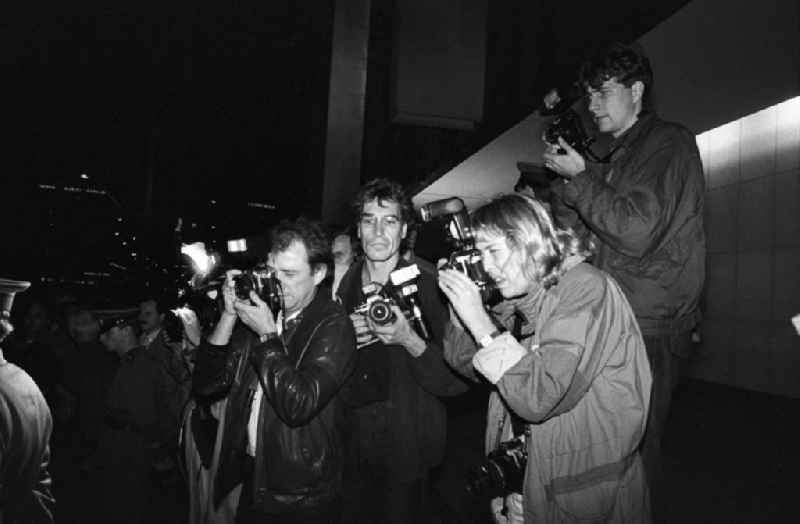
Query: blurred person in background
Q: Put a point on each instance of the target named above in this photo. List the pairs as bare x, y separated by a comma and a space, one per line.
344, 248
136, 431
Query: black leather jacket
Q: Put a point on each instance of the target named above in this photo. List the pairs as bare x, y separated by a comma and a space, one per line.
299, 453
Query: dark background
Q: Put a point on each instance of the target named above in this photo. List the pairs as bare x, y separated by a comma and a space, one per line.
217, 115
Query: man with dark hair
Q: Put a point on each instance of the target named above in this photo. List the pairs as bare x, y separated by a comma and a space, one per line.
644, 209
282, 434
151, 318
25, 428
344, 248
398, 423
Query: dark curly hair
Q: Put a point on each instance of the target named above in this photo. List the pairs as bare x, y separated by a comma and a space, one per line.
623, 63
311, 233
384, 190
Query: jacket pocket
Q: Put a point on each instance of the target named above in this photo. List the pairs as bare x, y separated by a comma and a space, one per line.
589, 496
589, 504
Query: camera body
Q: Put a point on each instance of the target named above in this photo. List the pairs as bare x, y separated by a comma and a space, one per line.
400, 291
568, 126
263, 281
465, 258
502, 473
377, 305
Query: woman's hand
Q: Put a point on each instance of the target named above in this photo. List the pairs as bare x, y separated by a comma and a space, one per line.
465, 298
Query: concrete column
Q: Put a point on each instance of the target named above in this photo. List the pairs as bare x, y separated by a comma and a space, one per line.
348, 83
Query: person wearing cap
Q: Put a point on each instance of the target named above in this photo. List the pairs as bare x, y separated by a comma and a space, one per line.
135, 428
25, 428
284, 421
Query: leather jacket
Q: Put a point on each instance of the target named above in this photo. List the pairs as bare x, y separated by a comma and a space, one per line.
299, 452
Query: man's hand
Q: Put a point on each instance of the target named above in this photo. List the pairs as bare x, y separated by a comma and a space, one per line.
399, 333
465, 298
364, 334
229, 292
551, 99
224, 328
257, 317
567, 164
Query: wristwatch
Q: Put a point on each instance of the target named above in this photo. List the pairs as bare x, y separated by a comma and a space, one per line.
487, 339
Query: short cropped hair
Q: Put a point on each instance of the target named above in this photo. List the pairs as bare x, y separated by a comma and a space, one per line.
355, 244
531, 234
161, 302
623, 63
384, 190
313, 236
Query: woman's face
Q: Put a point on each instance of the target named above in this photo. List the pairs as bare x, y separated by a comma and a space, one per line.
503, 264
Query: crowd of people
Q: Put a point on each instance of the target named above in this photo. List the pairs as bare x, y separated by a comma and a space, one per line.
318, 410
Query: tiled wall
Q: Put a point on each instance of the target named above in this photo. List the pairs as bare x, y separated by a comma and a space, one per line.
752, 222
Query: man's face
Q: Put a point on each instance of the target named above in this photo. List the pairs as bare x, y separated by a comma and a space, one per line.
615, 107
111, 339
83, 327
381, 230
342, 251
149, 318
36, 319
298, 280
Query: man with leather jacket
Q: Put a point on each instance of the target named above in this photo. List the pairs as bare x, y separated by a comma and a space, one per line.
282, 431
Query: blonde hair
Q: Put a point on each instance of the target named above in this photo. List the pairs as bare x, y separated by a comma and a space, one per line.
531, 234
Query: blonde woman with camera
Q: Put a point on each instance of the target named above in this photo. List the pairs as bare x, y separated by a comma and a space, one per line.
568, 361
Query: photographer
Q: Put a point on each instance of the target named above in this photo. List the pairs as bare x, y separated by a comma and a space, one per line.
644, 209
282, 434
573, 368
398, 423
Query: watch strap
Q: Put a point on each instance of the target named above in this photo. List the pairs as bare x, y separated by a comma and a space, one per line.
487, 339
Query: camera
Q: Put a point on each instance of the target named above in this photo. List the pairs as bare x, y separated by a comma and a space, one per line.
465, 258
568, 126
376, 305
502, 473
263, 281
400, 291
208, 276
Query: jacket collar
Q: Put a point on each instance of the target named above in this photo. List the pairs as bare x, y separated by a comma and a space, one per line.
643, 123
349, 293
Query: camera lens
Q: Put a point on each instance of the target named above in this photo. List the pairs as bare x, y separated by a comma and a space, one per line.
243, 285
380, 312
